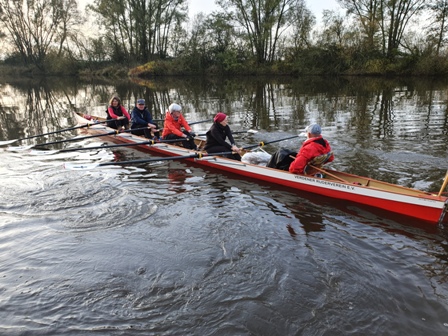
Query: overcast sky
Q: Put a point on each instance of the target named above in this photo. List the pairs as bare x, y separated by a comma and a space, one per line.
207, 6
316, 6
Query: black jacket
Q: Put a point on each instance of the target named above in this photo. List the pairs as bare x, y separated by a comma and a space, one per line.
216, 136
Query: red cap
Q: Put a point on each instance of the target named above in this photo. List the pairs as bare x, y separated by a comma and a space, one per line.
220, 117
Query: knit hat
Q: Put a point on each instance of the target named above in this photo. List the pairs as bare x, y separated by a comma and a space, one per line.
140, 102
220, 117
174, 107
314, 129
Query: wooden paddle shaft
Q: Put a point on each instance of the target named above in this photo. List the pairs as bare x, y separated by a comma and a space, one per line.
325, 172
329, 174
445, 182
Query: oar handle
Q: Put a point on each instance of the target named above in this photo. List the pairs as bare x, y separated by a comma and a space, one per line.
138, 129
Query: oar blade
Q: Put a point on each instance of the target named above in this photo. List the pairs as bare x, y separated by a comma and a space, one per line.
7, 142
43, 152
80, 166
19, 148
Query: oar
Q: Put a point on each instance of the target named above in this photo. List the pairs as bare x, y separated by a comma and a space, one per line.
261, 144
50, 152
116, 132
7, 142
445, 182
85, 166
194, 155
79, 138
329, 174
192, 123
200, 122
151, 142
237, 132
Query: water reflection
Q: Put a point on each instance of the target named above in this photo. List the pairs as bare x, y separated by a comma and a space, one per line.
369, 121
173, 248
177, 178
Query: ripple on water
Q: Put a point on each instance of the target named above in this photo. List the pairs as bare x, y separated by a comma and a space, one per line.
86, 200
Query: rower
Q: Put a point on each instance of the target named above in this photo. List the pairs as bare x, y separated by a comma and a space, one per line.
315, 151
216, 138
314, 147
117, 116
142, 118
174, 121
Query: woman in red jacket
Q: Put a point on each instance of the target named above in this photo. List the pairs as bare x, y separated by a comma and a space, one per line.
314, 146
117, 115
174, 121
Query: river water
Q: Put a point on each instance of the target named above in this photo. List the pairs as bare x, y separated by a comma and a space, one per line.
175, 249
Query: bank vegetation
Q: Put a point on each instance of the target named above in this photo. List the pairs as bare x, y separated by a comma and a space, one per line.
144, 38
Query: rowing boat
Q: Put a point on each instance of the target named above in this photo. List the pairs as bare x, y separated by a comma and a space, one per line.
421, 205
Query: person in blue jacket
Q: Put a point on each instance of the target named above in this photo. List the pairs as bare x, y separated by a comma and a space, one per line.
142, 118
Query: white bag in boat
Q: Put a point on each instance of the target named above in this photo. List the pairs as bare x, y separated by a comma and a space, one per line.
257, 158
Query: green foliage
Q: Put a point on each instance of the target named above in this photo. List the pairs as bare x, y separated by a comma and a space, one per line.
374, 67
316, 61
61, 64
159, 68
431, 65
54, 65
268, 37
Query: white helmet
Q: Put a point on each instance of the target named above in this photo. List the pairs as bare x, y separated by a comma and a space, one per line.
174, 107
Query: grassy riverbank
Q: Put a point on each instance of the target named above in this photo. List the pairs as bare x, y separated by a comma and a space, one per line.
302, 65
305, 65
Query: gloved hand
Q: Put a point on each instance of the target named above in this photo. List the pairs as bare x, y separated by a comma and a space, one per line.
192, 134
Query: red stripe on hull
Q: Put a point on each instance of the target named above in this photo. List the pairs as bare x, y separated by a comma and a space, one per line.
420, 212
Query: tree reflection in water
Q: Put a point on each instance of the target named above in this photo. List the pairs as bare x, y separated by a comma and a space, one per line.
382, 128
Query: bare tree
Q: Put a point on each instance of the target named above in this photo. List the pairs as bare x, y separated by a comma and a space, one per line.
396, 15
139, 29
36, 26
386, 18
367, 14
303, 22
335, 27
439, 23
264, 21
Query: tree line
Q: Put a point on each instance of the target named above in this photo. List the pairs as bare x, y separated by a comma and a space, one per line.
243, 36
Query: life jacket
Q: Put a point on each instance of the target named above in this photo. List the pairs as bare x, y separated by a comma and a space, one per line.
117, 111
